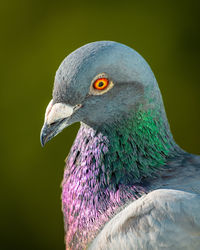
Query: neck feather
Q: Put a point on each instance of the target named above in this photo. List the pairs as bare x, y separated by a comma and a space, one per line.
106, 167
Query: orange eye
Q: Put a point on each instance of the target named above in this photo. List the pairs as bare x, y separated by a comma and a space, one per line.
101, 83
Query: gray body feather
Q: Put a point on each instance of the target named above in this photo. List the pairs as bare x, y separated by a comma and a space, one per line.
162, 219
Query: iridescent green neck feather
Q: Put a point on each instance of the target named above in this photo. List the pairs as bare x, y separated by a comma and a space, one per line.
138, 146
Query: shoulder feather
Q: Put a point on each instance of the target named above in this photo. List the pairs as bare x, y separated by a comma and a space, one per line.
162, 219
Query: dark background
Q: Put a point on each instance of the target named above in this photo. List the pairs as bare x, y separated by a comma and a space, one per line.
35, 38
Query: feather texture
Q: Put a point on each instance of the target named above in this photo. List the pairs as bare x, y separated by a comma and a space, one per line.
163, 219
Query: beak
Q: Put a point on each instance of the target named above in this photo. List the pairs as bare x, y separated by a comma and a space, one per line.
51, 130
57, 117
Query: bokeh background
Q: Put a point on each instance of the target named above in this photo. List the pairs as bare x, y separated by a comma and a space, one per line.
35, 38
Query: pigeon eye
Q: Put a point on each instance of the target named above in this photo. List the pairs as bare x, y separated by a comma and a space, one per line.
101, 83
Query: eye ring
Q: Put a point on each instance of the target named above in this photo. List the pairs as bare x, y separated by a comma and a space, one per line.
101, 83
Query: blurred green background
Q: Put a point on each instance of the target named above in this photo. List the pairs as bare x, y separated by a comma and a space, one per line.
35, 38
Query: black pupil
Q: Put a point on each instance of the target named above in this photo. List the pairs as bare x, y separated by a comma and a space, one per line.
101, 84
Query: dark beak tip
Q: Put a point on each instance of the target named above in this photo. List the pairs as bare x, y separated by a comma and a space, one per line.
42, 141
43, 136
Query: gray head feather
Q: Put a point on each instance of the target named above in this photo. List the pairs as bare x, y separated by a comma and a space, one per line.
133, 79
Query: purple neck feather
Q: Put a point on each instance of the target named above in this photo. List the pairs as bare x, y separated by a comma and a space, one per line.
88, 199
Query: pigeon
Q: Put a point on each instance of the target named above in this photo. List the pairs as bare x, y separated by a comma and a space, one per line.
127, 184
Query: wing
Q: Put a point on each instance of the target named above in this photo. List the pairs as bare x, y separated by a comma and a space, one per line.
162, 219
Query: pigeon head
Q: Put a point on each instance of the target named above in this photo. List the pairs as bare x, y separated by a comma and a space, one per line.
100, 84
